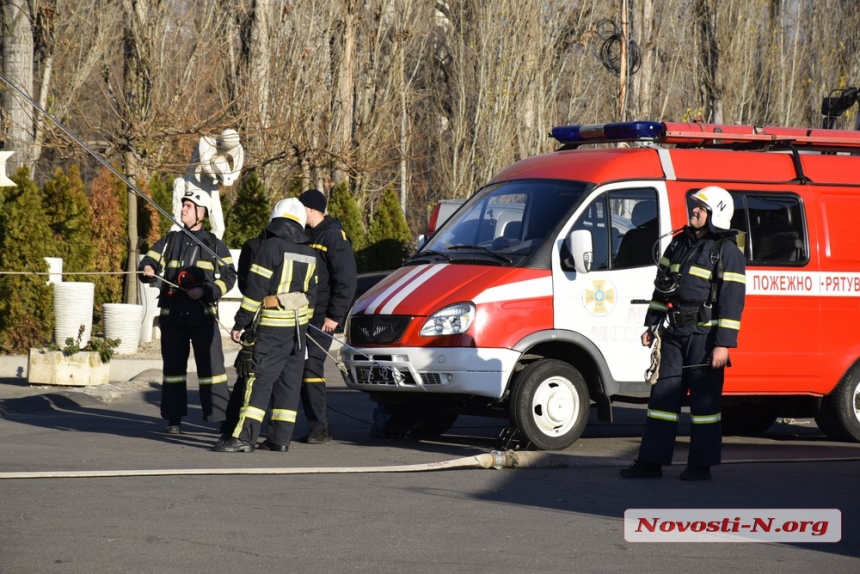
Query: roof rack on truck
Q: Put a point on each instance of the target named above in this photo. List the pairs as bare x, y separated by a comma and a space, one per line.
694, 134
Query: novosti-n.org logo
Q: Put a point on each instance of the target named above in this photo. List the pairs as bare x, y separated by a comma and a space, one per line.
794, 525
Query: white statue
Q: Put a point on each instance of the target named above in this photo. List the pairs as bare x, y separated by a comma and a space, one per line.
215, 162
4, 180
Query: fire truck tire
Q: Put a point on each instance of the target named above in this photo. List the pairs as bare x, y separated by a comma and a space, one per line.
747, 419
839, 416
828, 426
549, 404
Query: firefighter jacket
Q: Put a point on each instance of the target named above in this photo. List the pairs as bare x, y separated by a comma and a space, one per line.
184, 261
246, 258
284, 263
710, 280
337, 272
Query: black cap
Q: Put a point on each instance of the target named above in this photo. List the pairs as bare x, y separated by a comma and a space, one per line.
314, 199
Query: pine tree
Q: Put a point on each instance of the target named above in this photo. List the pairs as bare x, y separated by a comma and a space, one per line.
160, 190
26, 302
250, 214
148, 218
343, 207
109, 236
69, 215
389, 237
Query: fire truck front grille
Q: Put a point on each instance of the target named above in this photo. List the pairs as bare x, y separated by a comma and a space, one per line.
431, 378
376, 330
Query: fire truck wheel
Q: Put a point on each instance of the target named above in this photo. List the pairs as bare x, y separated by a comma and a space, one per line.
549, 404
839, 416
828, 425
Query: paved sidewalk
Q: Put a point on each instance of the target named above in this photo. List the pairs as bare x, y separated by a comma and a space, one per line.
121, 368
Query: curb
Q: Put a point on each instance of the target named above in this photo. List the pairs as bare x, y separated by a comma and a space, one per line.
121, 370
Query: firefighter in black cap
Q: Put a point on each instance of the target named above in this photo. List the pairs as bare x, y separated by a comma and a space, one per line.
338, 279
194, 280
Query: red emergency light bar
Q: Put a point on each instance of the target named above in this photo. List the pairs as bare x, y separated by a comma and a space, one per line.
698, 134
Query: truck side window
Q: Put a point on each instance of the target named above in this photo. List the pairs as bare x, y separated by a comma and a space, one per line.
594, 220
624, 228
634, 217
774, 226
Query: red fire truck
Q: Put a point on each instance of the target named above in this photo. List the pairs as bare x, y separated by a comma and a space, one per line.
529, 302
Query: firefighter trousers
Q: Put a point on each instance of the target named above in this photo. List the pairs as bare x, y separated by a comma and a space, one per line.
275, 380
234, 406
176, 344
313, 393
705, 386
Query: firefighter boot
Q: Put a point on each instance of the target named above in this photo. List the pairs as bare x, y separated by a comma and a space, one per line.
642, 469
318, 436
272, 446
234, 445
696, 473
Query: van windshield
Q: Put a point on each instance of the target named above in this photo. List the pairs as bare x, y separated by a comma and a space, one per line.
504, 223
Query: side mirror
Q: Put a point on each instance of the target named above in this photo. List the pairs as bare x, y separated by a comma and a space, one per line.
581, 250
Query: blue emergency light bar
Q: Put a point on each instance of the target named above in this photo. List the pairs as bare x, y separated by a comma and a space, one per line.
612, 132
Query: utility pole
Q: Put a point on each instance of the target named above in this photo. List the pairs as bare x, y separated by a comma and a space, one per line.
623, 71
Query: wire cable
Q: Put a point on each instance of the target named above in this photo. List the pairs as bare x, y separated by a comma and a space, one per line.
108, 165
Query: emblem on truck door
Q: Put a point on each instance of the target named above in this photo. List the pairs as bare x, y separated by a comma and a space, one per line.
600, 298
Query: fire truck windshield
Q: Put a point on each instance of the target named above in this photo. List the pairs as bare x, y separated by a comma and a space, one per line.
504, 222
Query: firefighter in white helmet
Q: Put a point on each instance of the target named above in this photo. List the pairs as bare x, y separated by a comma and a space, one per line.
276, 306
697, 304
194, 280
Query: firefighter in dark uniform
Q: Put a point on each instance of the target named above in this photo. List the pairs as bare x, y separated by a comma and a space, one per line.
337, 284
194, 280
277, 304
699, 296
244, 358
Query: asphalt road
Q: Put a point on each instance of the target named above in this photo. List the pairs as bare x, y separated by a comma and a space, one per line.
562, 519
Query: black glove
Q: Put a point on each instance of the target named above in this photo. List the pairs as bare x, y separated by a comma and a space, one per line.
244, 360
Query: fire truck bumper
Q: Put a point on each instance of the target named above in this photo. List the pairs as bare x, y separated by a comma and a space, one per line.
467, 371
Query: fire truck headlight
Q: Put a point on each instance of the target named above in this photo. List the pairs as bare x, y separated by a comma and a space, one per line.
451, 320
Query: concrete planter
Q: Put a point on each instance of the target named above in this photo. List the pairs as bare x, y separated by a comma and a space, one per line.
84, 368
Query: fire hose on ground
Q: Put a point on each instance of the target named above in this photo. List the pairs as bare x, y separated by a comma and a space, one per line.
496, 460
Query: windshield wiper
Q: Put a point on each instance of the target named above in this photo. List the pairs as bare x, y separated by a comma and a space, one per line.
430, 252
482, 250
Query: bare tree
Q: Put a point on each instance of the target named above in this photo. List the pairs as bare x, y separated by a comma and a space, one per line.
709, 58
254, 65
18, 65
44, 40
643, 81
343, 44
432, 97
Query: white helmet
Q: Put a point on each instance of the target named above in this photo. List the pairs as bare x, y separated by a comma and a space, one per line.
199, 197
291, 208
719, 205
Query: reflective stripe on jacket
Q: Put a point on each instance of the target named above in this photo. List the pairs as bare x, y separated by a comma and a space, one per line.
284, 263
695, 277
